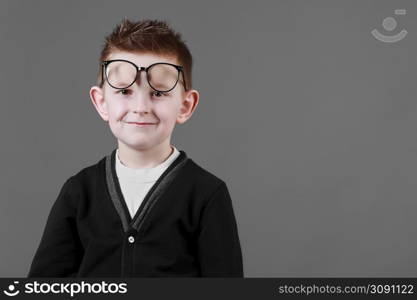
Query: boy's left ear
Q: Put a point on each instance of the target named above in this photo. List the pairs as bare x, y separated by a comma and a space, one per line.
188, 106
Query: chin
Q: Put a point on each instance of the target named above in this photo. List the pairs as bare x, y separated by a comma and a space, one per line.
140, 146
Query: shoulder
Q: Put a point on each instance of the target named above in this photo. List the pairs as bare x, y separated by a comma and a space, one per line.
210, 190
80, 184
202, 178
88, 175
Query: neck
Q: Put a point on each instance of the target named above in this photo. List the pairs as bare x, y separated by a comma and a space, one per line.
144, 158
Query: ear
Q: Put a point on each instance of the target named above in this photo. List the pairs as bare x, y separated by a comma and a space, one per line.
97, 97
188, 106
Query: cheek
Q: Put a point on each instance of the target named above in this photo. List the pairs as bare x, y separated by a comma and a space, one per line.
117, 112
167, 113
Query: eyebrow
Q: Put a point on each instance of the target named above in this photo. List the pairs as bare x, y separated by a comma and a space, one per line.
161, 86
121, 82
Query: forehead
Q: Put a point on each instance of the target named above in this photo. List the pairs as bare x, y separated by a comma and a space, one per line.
142, 59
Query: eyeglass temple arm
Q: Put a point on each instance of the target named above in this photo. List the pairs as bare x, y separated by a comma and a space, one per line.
183, 78
103, 65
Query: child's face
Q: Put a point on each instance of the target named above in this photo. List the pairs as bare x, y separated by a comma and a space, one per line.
139, 103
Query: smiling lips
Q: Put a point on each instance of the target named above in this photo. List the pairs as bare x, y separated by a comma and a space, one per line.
141, 123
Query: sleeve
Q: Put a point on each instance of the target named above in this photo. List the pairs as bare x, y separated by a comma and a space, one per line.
60, 251
219, 248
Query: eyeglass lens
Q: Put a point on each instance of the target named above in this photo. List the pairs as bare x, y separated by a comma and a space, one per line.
161, 77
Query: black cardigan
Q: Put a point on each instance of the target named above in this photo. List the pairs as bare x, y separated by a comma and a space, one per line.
185, 227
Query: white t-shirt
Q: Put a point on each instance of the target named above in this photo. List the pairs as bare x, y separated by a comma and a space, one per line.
135, 183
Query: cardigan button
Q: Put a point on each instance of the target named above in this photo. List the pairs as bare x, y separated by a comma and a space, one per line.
131, 239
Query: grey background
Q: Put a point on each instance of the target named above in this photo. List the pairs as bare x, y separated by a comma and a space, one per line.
309, 119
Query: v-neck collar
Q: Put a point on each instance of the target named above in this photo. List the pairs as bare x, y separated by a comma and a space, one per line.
151, 197
143, 175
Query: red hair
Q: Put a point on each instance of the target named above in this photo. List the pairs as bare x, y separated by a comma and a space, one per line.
148, 36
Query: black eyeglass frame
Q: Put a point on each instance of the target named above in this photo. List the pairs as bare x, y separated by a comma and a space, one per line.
105, 63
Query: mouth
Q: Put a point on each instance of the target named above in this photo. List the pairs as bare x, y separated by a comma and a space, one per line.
141, 123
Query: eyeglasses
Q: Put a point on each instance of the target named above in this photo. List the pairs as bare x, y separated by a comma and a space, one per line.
121, 74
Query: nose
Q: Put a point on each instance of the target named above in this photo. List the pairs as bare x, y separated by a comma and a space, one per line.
141, 102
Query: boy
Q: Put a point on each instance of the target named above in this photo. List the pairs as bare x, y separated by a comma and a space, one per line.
146, 209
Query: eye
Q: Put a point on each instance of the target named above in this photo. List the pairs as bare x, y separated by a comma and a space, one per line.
124, 92
159, 94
